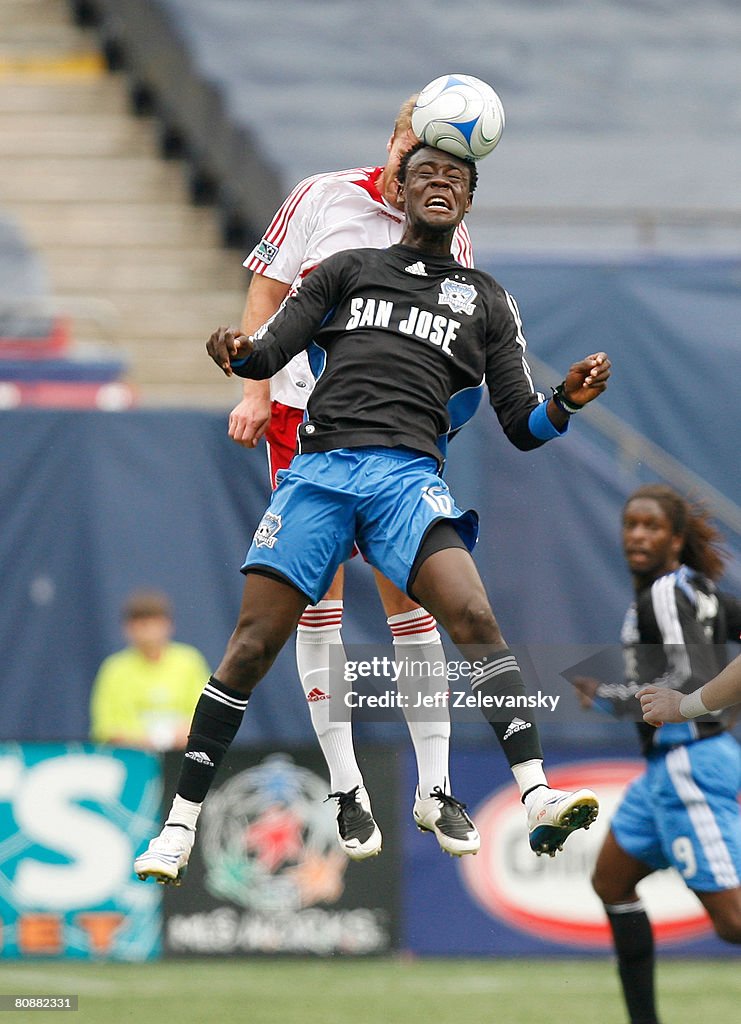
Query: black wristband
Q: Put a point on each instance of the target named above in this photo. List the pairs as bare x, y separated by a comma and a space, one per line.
563, 403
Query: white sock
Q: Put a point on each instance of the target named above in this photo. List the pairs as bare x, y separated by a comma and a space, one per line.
318, 628
417, 643
529, 775
184, 812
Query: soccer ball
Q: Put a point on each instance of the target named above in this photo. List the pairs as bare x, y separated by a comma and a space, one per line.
460, 114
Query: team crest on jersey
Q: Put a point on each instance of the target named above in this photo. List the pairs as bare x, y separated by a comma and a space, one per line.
266, 533
458, 295
266, 251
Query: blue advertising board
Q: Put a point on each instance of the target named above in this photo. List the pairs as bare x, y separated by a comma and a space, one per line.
505, 901
72, 818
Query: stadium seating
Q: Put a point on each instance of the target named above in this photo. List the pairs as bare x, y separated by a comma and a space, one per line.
39, 365
622, 120
26, 333
173, 56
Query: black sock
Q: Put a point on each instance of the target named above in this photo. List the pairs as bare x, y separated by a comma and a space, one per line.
634, 945
217, 717
497, 677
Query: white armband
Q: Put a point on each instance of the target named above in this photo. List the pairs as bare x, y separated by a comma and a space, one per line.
691, 705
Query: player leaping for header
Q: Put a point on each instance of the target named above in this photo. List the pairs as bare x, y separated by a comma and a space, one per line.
396, 343
324, 214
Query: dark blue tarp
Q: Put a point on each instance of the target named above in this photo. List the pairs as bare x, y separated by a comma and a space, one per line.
670, 327
95, 504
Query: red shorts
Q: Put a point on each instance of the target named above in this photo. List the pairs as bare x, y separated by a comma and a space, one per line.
280, 437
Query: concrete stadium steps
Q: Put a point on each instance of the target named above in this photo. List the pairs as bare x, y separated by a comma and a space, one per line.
181, 371
31, 93
191, 316
142, 270
139, 225
163, 335
54, 30
135, 266
71, 135
74, 180
174, 365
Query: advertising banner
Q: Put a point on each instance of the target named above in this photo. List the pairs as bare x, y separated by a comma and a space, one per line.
506, 901
267, 876
72, 818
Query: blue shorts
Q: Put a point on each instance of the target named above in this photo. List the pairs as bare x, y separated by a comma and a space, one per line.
683, 812
383, 499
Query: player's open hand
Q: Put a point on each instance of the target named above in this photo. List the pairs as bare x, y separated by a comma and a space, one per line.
659, 704
587, 379
249, 420
225, 344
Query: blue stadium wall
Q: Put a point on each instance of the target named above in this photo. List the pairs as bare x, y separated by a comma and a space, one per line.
95, 504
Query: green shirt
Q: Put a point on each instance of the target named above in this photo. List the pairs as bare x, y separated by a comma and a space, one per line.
138, 701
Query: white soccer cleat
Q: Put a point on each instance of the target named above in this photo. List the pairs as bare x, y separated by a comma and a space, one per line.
166, 857
555, 814
442, 814
357, 832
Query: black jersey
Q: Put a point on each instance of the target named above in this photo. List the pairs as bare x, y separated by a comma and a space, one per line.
674, 634
393, 334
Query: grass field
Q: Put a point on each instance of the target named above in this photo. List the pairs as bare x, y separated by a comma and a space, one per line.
371, 991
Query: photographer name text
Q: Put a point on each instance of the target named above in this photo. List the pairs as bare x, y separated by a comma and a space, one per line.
452, 698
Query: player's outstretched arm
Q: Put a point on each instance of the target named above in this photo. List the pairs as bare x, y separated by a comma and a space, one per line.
661, 705
226, 344
250, 417
585, 381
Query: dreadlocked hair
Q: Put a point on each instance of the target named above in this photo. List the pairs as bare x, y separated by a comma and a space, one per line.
404, 164
702, 548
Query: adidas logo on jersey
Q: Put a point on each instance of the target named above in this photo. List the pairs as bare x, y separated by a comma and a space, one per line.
417, 268
200, 756
516, 725
317, 694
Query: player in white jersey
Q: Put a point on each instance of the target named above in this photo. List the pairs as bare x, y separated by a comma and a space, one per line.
325, 214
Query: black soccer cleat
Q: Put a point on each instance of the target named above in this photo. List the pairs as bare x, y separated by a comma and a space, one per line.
357, 832
442, 814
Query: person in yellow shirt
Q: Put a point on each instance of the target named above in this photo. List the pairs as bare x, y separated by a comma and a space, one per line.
144, 695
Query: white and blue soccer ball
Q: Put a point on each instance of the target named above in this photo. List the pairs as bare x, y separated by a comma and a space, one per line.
460, 114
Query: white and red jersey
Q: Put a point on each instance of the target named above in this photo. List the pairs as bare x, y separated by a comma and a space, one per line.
323, 215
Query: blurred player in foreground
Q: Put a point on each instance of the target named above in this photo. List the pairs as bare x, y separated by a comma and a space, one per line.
325, 214
683, 811
144, 695
398, 332
660, 705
